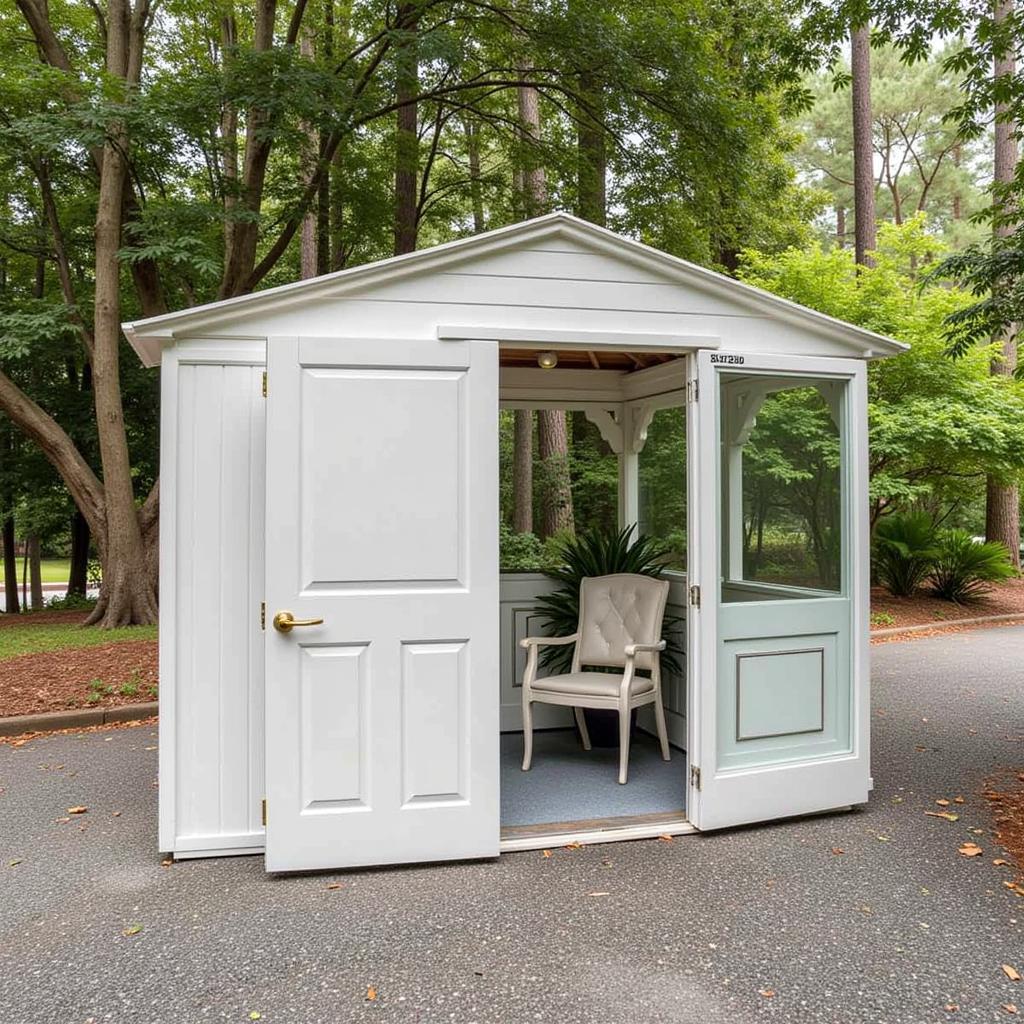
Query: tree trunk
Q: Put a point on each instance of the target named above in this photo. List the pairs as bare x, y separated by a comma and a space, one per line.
78, 576
127, 593
475, 189
522, 472
534, 181
958, 213
35, 572
308, 261
841, 226
406, 135
591, 158
863, 148
553, 447
12, 604
1002, 503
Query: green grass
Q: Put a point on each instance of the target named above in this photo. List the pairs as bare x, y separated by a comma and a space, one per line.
33, 638
54, 570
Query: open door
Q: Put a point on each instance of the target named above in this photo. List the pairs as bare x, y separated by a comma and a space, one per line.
381, 534
779, 721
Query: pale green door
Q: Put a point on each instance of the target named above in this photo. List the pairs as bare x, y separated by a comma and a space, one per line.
780, 673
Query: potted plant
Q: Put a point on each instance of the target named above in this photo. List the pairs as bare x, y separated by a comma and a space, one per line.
600, 553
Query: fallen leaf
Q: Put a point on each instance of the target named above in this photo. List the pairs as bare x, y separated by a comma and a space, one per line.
371, 993
976, 831
665, 838
883, 839
116, 814
946, 815
335, 885
1000, 863
1011, 972
14, 863
958, 800
77, 810
768, 993
576, 845
132, 929
255, 1015
837, 850
599, 894
970, 850
951, 1007
942, 803
166, 862
1010, 1008
545, 853
61, 821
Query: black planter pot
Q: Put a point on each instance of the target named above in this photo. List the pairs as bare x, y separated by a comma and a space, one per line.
603, 726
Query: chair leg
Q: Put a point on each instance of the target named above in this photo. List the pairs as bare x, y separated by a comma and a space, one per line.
581, 724
659, 718
527, 733
624, 717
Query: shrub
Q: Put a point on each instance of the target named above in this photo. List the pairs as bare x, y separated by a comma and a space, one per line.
71, 602
965, 568
599, 553
905, 551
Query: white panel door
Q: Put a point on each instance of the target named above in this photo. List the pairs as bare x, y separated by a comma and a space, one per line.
779, 548
382, 521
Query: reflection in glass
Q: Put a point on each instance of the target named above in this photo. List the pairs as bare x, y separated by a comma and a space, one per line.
781, 486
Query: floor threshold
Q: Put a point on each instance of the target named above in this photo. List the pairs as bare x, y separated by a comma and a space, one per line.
598, 830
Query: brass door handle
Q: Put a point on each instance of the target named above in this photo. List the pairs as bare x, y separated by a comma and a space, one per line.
285, 622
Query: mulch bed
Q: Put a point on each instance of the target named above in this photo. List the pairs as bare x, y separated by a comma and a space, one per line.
59, 680
1005, 792
922, 608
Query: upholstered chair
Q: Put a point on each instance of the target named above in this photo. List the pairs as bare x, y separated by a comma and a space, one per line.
619, 627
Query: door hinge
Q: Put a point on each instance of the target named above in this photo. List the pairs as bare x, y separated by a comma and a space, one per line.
694, 777
263, 811
695, 596
263, 614
692, 391
264, 383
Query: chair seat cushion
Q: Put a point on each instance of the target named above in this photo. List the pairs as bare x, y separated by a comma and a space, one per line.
597, 684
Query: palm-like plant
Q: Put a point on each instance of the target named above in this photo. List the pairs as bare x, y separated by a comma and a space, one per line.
905, 551
965, 569
600, 553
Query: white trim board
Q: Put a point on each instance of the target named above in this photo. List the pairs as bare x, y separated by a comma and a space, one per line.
148, 336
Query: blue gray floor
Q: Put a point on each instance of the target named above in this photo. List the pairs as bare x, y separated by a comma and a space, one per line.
568, 783
767, 924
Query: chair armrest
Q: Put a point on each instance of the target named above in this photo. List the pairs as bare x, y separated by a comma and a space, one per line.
547, 641
631, 650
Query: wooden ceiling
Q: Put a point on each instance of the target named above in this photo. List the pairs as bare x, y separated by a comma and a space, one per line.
579, 359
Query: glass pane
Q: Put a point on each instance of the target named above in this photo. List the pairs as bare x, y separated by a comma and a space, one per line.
782, 498
662, 483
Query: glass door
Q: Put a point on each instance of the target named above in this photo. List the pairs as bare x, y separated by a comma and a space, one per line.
781, 570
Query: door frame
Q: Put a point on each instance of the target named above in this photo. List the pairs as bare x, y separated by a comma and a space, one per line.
704, 549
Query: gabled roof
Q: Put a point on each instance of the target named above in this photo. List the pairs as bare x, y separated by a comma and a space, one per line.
215, 318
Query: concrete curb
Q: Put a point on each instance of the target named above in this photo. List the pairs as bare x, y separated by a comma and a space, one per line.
79, 718
946, 623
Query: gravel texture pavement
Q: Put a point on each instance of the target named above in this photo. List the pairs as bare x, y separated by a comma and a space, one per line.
766, 923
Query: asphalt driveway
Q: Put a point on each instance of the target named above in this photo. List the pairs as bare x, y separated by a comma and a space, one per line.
757, 924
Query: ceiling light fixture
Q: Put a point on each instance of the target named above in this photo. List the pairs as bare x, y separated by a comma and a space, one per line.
547, 360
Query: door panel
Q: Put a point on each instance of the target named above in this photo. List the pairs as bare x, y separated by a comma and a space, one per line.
783, 723
382, 738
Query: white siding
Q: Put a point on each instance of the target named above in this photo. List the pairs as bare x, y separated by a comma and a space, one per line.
566, 288
215, 648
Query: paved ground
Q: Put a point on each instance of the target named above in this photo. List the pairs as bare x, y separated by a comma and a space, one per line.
693, 930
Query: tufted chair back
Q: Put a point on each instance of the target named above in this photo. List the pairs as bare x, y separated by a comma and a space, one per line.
617, 610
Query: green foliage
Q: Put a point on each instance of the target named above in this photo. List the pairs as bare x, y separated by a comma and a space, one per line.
598, 553
936, 426
882, 619
965, 569
905, 550
71, 603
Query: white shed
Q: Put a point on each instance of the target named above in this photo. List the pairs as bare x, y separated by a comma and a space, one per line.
329, 449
